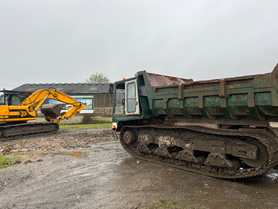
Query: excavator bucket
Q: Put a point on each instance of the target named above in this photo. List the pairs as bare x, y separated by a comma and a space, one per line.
52, 111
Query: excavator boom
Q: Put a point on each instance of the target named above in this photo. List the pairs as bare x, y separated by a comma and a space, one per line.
35, 101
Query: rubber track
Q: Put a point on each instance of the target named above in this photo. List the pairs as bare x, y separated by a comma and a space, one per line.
266, 137
9, 132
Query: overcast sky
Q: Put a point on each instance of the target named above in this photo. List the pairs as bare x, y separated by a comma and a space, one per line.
65, 41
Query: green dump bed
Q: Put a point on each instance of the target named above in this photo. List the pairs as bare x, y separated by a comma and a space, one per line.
252, 97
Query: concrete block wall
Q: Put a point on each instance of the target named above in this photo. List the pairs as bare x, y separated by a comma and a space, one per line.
108, 111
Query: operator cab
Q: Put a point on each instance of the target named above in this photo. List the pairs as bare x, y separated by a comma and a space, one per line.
12, 97
126, 100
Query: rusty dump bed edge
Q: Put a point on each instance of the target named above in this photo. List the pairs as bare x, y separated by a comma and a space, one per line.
158, 80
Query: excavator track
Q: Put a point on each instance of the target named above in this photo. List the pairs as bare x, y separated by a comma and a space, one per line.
8, 132
136, 143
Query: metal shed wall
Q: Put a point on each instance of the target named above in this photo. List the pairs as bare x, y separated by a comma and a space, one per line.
103, 104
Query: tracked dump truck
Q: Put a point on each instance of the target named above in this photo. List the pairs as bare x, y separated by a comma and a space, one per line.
224, 128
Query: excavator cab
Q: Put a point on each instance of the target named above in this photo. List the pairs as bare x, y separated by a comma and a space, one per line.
9, 97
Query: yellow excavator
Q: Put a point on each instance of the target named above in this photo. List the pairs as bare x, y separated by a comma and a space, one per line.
17, 108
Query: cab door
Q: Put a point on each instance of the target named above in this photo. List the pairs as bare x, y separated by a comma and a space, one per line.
131, 98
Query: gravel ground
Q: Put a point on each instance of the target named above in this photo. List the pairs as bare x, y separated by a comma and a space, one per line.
63, 140
89, 169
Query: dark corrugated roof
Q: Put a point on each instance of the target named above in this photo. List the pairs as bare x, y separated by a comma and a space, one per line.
69, 88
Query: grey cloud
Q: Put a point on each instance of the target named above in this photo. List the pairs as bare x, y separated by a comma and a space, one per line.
67, 41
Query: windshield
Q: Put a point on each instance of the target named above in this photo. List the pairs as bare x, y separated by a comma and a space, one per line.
120, 102
2, 98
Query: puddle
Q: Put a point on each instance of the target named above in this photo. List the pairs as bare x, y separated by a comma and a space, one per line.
78, 153
34, 155
105, 176
273, 176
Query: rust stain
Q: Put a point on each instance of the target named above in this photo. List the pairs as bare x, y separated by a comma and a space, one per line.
156, 80
275, 70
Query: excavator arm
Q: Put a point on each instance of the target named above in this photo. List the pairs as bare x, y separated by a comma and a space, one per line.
36, 100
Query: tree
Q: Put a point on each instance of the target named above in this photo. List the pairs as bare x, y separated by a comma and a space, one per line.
97, 78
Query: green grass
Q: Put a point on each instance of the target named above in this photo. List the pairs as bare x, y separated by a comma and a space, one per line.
84, 126
8, 161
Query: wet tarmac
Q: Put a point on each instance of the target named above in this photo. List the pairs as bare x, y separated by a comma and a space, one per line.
105, 176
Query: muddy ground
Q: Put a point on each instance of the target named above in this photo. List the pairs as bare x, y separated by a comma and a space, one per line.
89, 169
